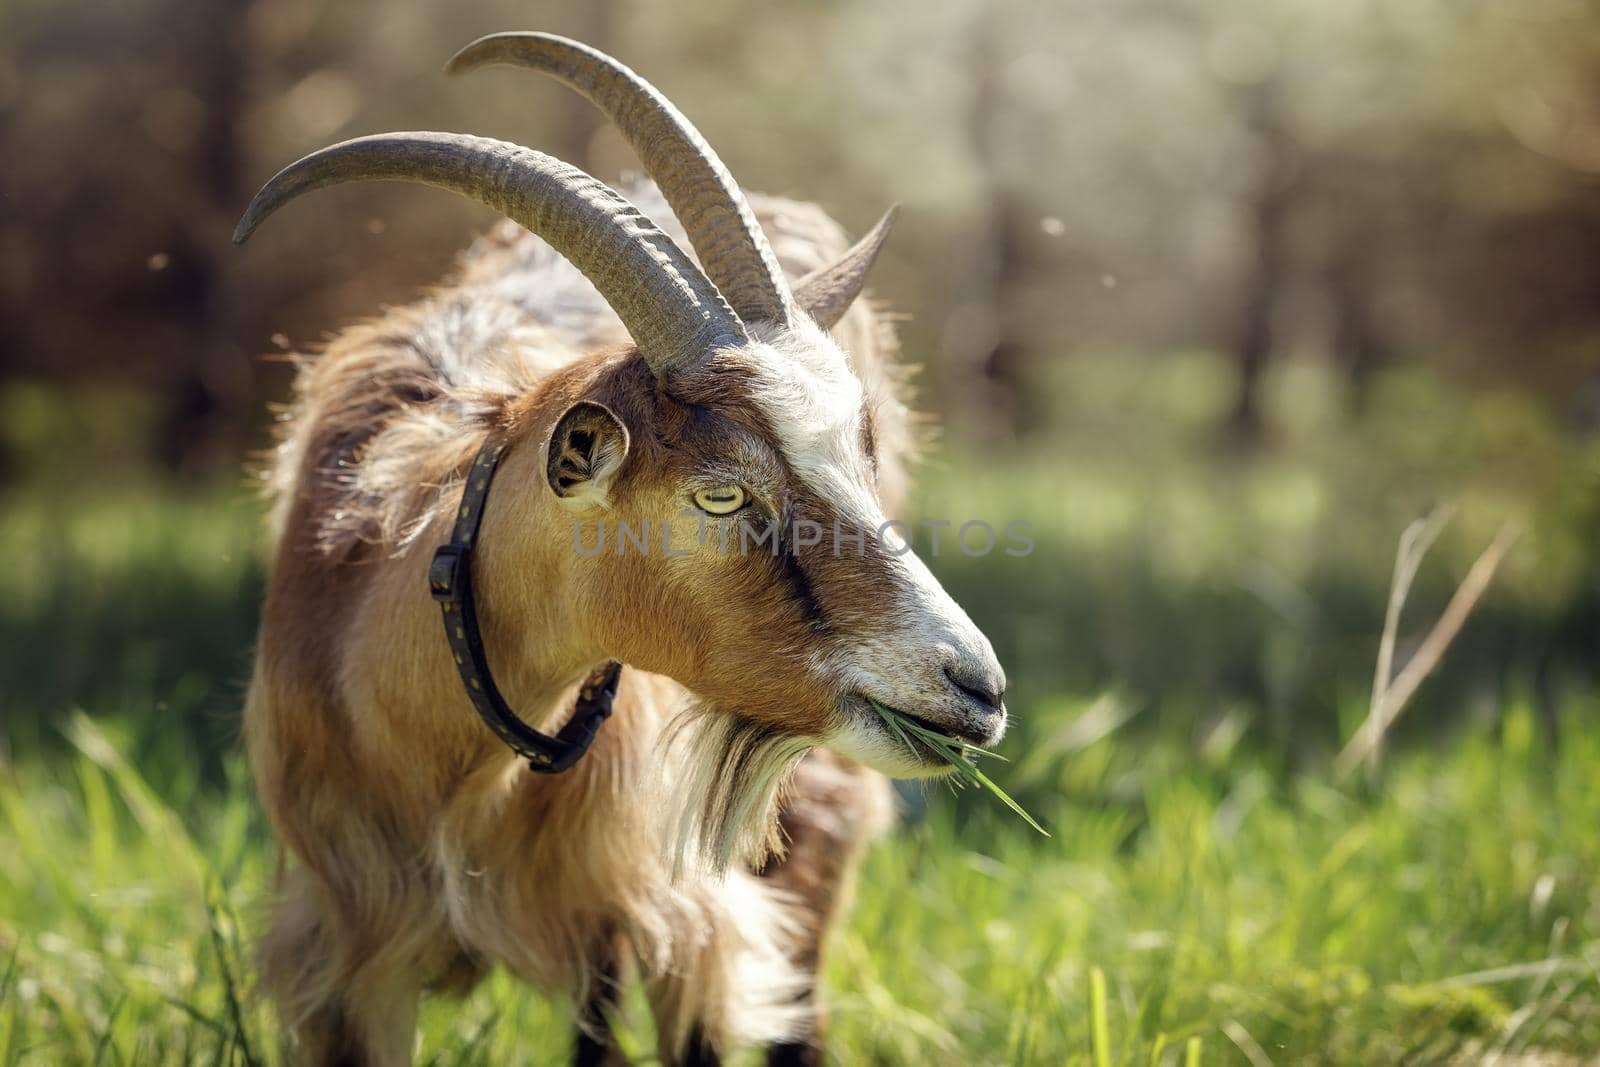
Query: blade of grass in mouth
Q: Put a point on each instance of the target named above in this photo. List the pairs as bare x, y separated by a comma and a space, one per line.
960, 755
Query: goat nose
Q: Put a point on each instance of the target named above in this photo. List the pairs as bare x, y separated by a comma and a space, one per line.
986, 687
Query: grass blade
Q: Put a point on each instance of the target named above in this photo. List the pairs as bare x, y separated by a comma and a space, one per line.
1005, 798
1099, 1027
961, 757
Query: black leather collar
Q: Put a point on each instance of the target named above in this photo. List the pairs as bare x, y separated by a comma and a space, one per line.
450, 582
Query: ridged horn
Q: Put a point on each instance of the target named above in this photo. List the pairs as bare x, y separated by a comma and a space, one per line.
699, 188
827, 292
673, 312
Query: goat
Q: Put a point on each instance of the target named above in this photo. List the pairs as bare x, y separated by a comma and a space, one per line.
707, 838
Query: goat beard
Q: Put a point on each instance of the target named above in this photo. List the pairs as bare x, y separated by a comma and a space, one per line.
721, 779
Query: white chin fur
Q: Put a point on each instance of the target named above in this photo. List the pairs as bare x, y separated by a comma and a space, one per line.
870, 744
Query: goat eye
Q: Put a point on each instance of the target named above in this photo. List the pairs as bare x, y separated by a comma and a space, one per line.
723, 500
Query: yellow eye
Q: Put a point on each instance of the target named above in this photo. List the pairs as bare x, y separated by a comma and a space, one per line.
723, 500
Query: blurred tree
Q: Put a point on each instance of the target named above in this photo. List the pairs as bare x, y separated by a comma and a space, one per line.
996, 367
1269, 205
212, 398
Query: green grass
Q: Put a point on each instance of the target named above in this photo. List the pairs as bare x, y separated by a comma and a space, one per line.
1453, 908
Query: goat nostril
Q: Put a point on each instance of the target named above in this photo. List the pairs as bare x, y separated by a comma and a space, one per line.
979, 688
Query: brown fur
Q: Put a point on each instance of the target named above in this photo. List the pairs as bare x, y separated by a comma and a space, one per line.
423, 853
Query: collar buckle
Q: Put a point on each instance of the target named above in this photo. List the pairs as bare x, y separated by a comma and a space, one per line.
449, 573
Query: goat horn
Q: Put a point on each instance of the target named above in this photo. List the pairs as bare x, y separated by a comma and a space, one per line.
699, 188
827, 292
673, 312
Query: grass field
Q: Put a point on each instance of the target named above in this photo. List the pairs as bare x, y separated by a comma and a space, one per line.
1186, 652
1454, 913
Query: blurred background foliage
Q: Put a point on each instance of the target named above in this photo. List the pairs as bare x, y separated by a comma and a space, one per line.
1217, 295
1369, 185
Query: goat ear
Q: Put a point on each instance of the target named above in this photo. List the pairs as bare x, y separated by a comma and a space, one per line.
586, 450
827, 292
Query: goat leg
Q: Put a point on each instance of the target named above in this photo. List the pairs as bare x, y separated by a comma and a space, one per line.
830, 810
595, 1044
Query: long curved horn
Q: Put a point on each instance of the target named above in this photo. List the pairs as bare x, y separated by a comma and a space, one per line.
674, 314
827, 292
700, 190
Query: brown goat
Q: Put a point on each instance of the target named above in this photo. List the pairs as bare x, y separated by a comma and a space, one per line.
707, 837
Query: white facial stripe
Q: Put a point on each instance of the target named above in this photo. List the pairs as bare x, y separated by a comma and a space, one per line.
813, 402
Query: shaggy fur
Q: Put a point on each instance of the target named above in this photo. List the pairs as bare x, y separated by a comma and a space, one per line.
423, 852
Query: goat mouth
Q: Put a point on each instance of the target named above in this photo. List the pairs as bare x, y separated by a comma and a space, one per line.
875, 711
